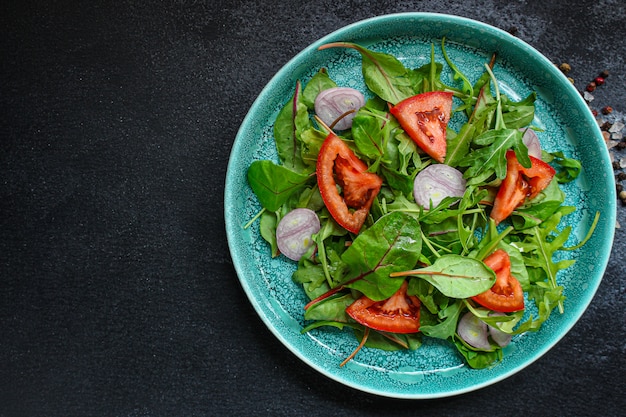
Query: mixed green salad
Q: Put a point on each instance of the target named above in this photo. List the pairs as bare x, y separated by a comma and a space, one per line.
402, 227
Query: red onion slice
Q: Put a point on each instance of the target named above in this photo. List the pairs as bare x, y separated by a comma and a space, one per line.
531, 140
436, 182
498, 336
294, 231
330, 104
473, 331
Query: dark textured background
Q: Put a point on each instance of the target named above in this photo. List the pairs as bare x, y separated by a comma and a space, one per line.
117, 293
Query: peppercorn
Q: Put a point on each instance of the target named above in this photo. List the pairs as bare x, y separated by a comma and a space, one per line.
622, 196
606, 126
615, 165
604, 74
565, 67
571, 80
594, 112
621, 176
620, 145
619, 188
607, 110
591, 87
599, 80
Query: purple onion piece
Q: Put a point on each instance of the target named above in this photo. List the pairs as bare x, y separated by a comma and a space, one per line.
531, 140
330, 104
473, 331
294, 231
436, 182
498, 336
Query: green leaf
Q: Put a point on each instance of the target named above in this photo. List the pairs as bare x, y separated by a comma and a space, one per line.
274, 184
384, 74
457, 276
291, 121
392, 244
446, 326
459, 145
267, 229
331, 309
490, 159
319, 82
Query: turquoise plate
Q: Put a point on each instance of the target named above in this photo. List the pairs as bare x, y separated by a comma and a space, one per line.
434, 370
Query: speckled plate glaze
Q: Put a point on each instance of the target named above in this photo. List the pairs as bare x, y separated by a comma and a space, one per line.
434, 370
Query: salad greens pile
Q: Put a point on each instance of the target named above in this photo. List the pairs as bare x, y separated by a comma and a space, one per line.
438, 250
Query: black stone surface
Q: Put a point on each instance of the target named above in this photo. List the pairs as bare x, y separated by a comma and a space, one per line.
118, 296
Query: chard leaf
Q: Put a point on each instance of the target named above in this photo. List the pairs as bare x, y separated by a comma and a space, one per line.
392, 244
274, 184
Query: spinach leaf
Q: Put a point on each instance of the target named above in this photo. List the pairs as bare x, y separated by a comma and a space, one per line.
392, 244
456, 276
319, 82
384, 74
331, 309
291, 121
267, 228
475, 358
274, 184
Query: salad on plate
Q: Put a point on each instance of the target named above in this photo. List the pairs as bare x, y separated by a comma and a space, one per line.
403, 227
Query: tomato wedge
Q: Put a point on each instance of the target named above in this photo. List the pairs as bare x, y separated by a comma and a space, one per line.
506, 294
338, 165
400, 313
519, 185
424, 118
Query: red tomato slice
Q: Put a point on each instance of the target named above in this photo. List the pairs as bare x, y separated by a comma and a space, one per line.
520, 184
400, 313
338, 165
506, 294
424, 118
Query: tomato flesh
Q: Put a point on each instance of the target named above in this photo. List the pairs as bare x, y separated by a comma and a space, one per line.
519, 185
424, 117
336, 166
400, 313
506, 294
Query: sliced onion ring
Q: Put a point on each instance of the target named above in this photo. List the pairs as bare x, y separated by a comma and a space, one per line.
473, 331
331, 103
531, 140
294, 231
436, 182
498, 336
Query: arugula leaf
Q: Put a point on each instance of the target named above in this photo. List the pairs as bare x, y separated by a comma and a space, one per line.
568, 169
490, 159
446, 324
